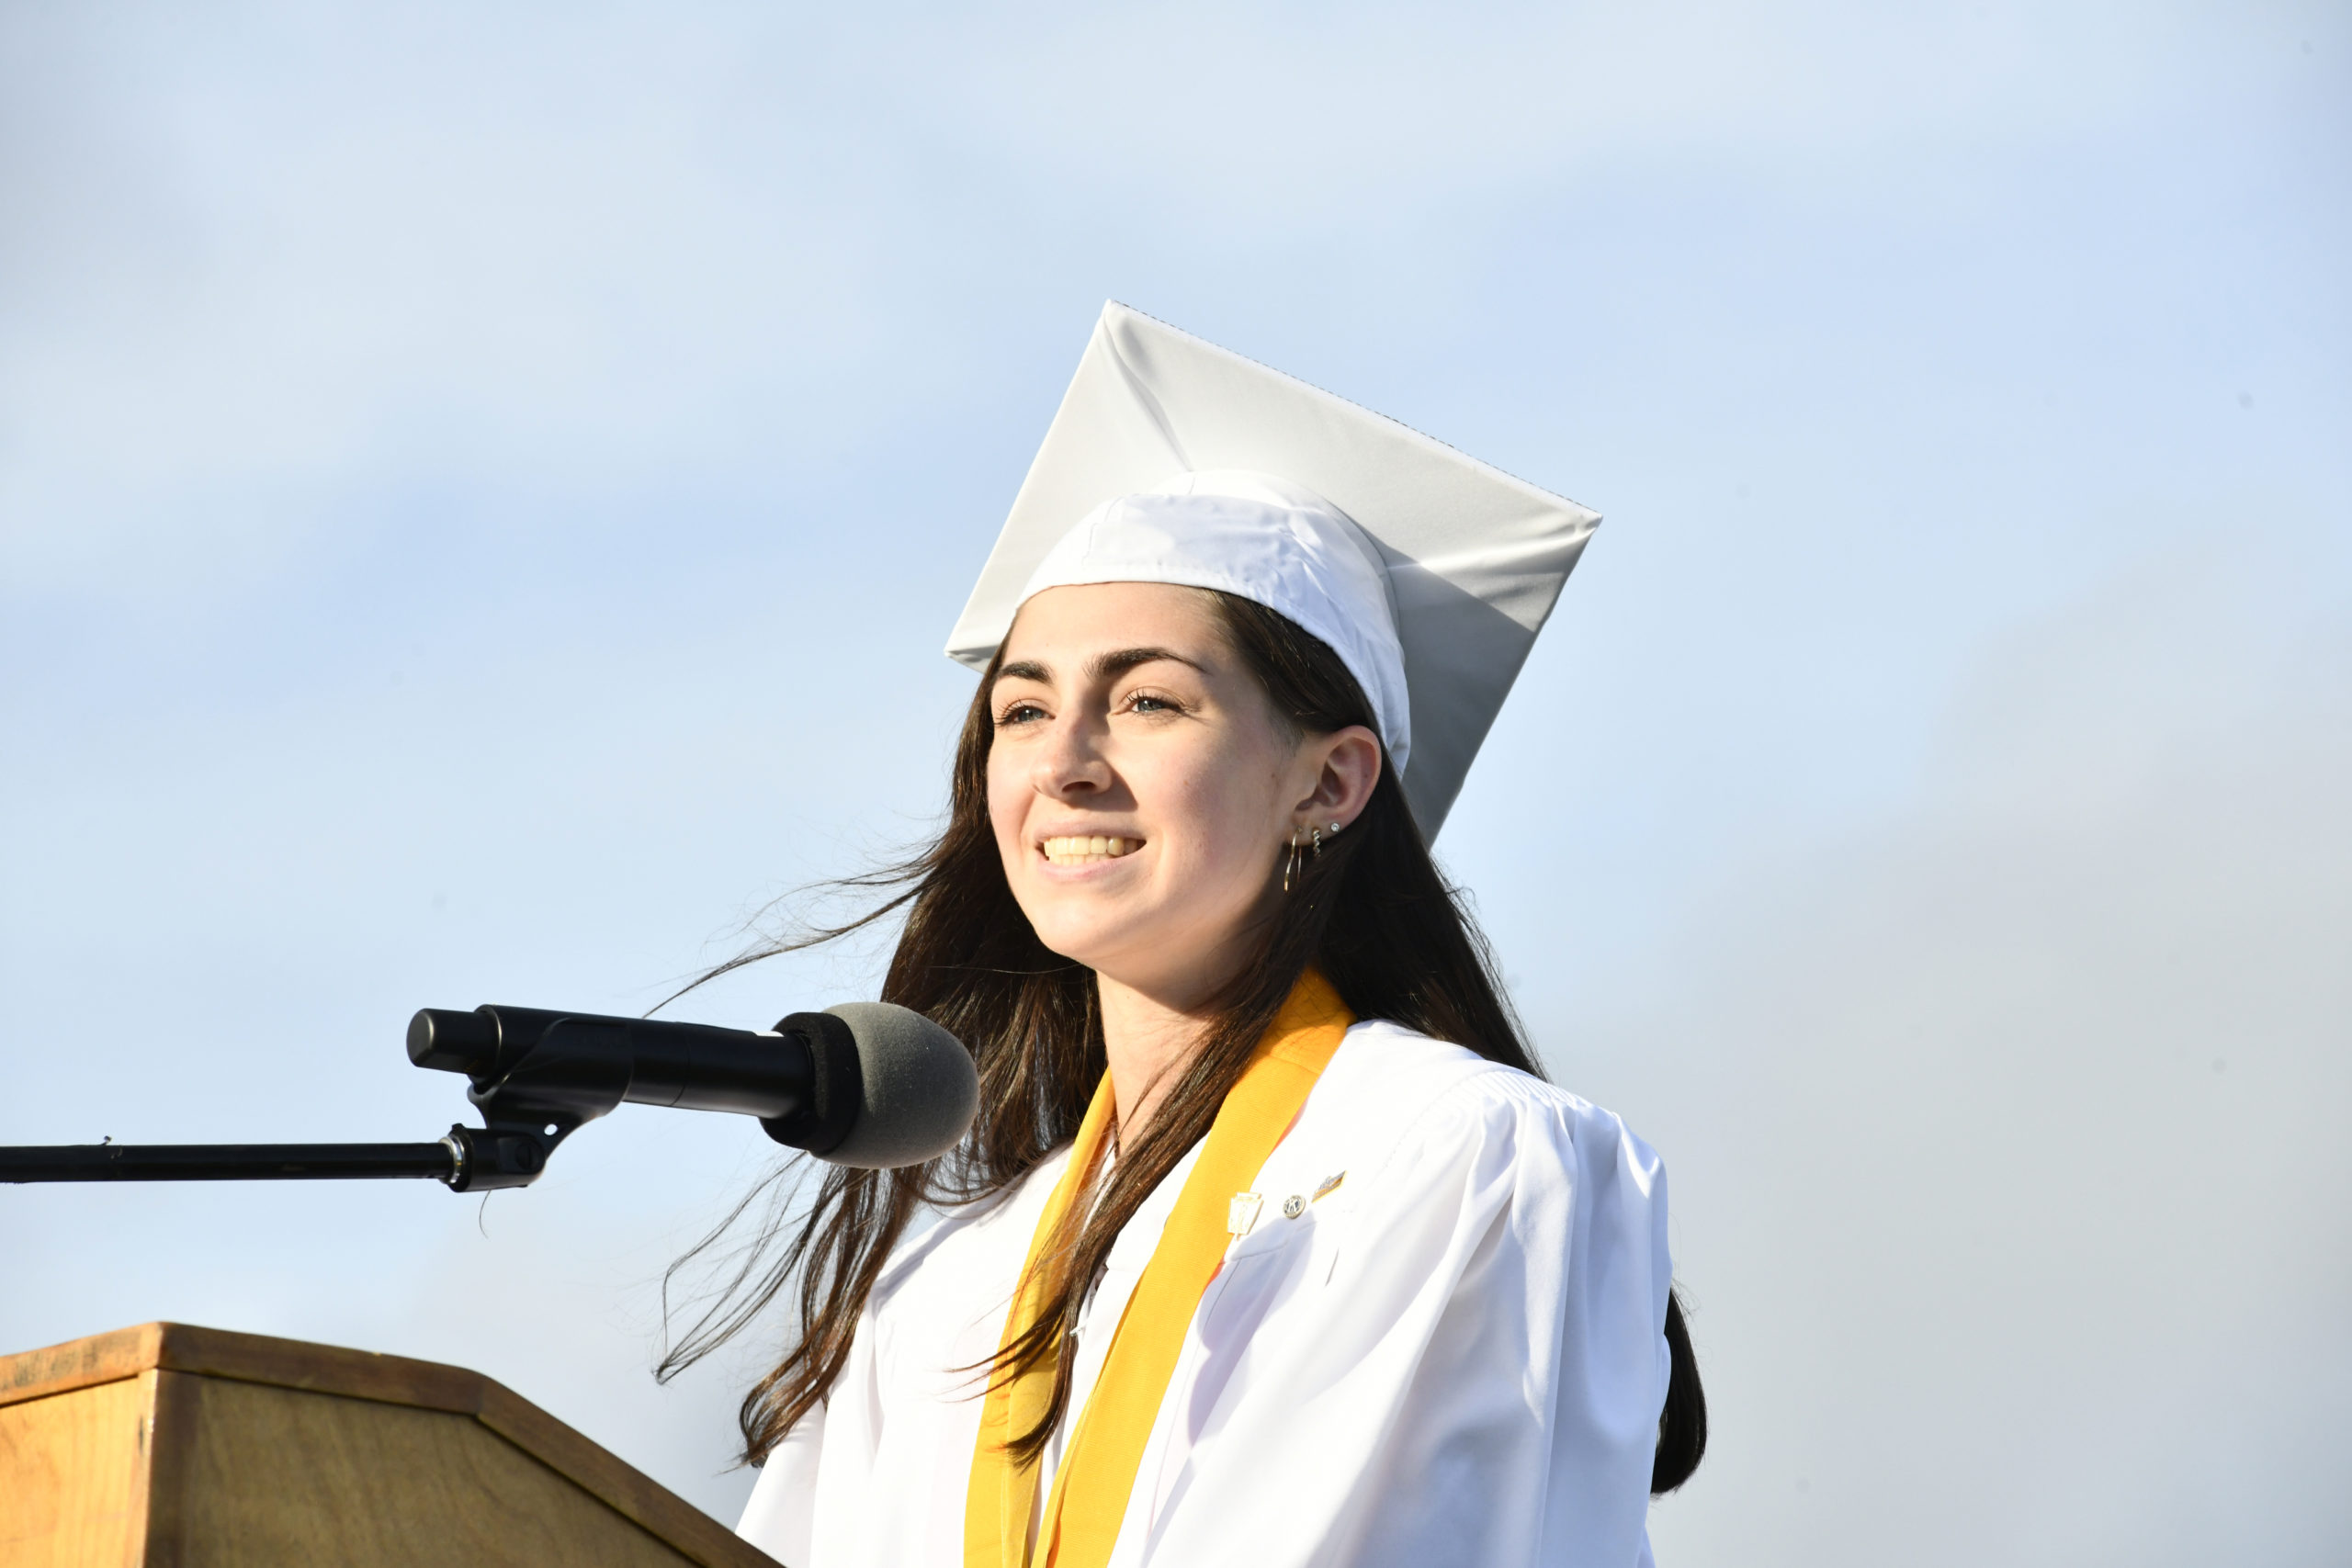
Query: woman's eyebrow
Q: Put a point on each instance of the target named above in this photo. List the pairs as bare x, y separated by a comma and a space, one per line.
1102, 667
1110, 666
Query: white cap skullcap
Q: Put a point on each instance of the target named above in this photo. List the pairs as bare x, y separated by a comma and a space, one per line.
1429, 573
1264, 540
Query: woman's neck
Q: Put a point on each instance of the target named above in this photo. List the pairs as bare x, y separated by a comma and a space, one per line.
1147, 1039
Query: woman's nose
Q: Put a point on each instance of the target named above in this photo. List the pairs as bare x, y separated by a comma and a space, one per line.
1072, 762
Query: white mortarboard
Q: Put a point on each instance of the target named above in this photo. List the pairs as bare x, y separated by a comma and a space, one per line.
1173, 460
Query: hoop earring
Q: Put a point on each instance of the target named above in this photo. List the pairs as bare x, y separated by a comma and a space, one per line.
1290, 860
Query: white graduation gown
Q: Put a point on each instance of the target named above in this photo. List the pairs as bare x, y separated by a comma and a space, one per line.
1455, 1355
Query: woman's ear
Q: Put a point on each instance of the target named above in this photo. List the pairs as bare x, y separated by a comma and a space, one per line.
1347, 767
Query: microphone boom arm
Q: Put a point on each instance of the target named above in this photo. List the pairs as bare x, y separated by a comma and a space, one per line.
537, 1076
227, 1162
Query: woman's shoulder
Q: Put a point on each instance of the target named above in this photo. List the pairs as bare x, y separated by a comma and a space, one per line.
958, 1248
1389, 1061
1421, 1091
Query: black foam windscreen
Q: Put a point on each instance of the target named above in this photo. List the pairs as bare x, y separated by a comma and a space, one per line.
920, 1089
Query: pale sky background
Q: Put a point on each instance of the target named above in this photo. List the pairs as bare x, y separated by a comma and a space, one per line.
483, 487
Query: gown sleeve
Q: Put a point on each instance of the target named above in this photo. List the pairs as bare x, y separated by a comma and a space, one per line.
781, 1514
1478, 1377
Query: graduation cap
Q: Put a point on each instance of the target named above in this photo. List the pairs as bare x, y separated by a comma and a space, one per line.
1173, 460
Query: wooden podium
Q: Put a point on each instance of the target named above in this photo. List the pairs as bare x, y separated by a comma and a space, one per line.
172, 1446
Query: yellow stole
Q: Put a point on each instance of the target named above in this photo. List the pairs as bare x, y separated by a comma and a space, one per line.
1089, 1501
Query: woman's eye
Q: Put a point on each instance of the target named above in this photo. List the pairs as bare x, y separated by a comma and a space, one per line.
1148, 702
1019, 712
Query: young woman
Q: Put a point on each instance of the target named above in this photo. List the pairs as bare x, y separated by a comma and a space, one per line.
1271, 1244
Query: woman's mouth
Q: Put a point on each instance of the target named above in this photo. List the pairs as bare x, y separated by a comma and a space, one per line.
1081, 849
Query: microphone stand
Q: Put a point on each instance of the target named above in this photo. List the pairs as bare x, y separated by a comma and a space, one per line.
470, 1159
536, 1078
111, 1161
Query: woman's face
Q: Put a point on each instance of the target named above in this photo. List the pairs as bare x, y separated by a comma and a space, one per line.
1142, 787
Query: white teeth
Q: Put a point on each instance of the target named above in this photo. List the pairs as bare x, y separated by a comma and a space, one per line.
1081, 849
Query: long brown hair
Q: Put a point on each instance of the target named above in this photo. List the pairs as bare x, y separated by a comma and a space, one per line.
1371, 909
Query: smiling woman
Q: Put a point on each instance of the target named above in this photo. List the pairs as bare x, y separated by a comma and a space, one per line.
1270, 1244
1124, 715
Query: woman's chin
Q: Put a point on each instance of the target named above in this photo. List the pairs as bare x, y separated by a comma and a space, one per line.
1105, 941
1090, 941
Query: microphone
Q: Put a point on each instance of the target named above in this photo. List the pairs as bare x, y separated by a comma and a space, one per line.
865, 1083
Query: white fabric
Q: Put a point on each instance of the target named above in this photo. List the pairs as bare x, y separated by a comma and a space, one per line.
1475, 558
1267, 540
1456, 1357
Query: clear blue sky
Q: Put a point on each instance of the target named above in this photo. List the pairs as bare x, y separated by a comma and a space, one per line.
482, 490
